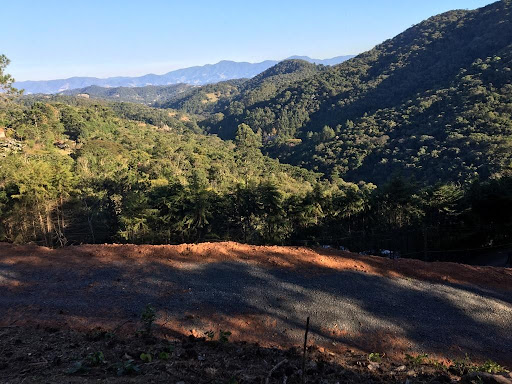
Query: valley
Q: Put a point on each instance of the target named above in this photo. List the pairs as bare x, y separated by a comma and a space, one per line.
182, 227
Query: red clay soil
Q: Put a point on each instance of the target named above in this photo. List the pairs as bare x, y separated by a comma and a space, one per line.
27, 260
310, 260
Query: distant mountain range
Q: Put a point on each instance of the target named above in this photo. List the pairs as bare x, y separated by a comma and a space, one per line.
198, 75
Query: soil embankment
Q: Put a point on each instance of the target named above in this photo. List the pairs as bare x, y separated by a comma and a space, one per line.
264, 294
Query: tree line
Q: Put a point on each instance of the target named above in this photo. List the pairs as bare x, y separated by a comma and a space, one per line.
84, 175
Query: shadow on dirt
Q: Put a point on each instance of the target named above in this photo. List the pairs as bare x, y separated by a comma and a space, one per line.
259, 304
45, 354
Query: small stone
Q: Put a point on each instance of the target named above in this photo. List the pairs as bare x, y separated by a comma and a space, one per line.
485, 378
373, 367
401, 368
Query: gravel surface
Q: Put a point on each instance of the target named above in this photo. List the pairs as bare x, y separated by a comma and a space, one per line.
348, 308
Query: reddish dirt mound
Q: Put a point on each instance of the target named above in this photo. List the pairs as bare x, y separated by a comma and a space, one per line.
263, 294
310, 260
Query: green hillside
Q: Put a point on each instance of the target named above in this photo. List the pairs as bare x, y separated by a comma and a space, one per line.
232, 97
148, 95
206, 99
406, 107
87, 172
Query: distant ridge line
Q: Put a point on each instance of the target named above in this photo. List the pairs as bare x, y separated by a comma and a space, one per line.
197, 75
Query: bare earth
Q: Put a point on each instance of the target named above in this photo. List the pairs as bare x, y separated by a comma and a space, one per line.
264, 294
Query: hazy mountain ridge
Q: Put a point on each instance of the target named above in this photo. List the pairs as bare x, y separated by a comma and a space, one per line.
197, 75
242, 92
210, 97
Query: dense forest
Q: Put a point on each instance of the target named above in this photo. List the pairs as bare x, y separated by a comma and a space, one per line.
148, 95
81, 172
404, 108
407, 147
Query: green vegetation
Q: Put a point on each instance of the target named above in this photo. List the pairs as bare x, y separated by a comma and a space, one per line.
491, 367
421, 125
406, 108
375, 357
432, 104
224, 336
230, 98
210, 334
417, 359
96, 358
6, 81
206, 99
80, 173
84, 174
166, 119
465, 366
146, 357
148, 317
127, 367
148, 95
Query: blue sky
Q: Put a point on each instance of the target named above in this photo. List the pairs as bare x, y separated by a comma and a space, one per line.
58, 39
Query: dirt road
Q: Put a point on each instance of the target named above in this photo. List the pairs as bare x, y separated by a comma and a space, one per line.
264, 294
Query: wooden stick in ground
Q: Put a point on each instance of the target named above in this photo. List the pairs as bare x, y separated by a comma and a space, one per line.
303, 376
120, 325
273, 369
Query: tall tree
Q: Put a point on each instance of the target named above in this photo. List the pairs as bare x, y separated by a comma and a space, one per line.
6, 80
248, 153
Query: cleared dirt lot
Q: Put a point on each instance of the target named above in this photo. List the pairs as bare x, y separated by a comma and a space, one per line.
264, 294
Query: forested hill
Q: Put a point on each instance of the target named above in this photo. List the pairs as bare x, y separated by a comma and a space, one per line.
148, 95
96, 171
76, 170
208, 98
434, 103
234, 95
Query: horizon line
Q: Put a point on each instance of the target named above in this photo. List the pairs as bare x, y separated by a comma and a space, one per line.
177, 69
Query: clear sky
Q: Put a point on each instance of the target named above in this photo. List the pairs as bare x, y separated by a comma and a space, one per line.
62, 38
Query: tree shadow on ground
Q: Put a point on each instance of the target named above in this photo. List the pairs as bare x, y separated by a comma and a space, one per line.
259, 304
46, 354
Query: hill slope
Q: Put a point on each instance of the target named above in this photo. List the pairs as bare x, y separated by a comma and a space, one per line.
107, 166
362, 302
406, 107
149, 94
238, 94
198, 75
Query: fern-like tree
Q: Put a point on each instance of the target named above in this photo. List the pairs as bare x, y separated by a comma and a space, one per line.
6, 81
7, 91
